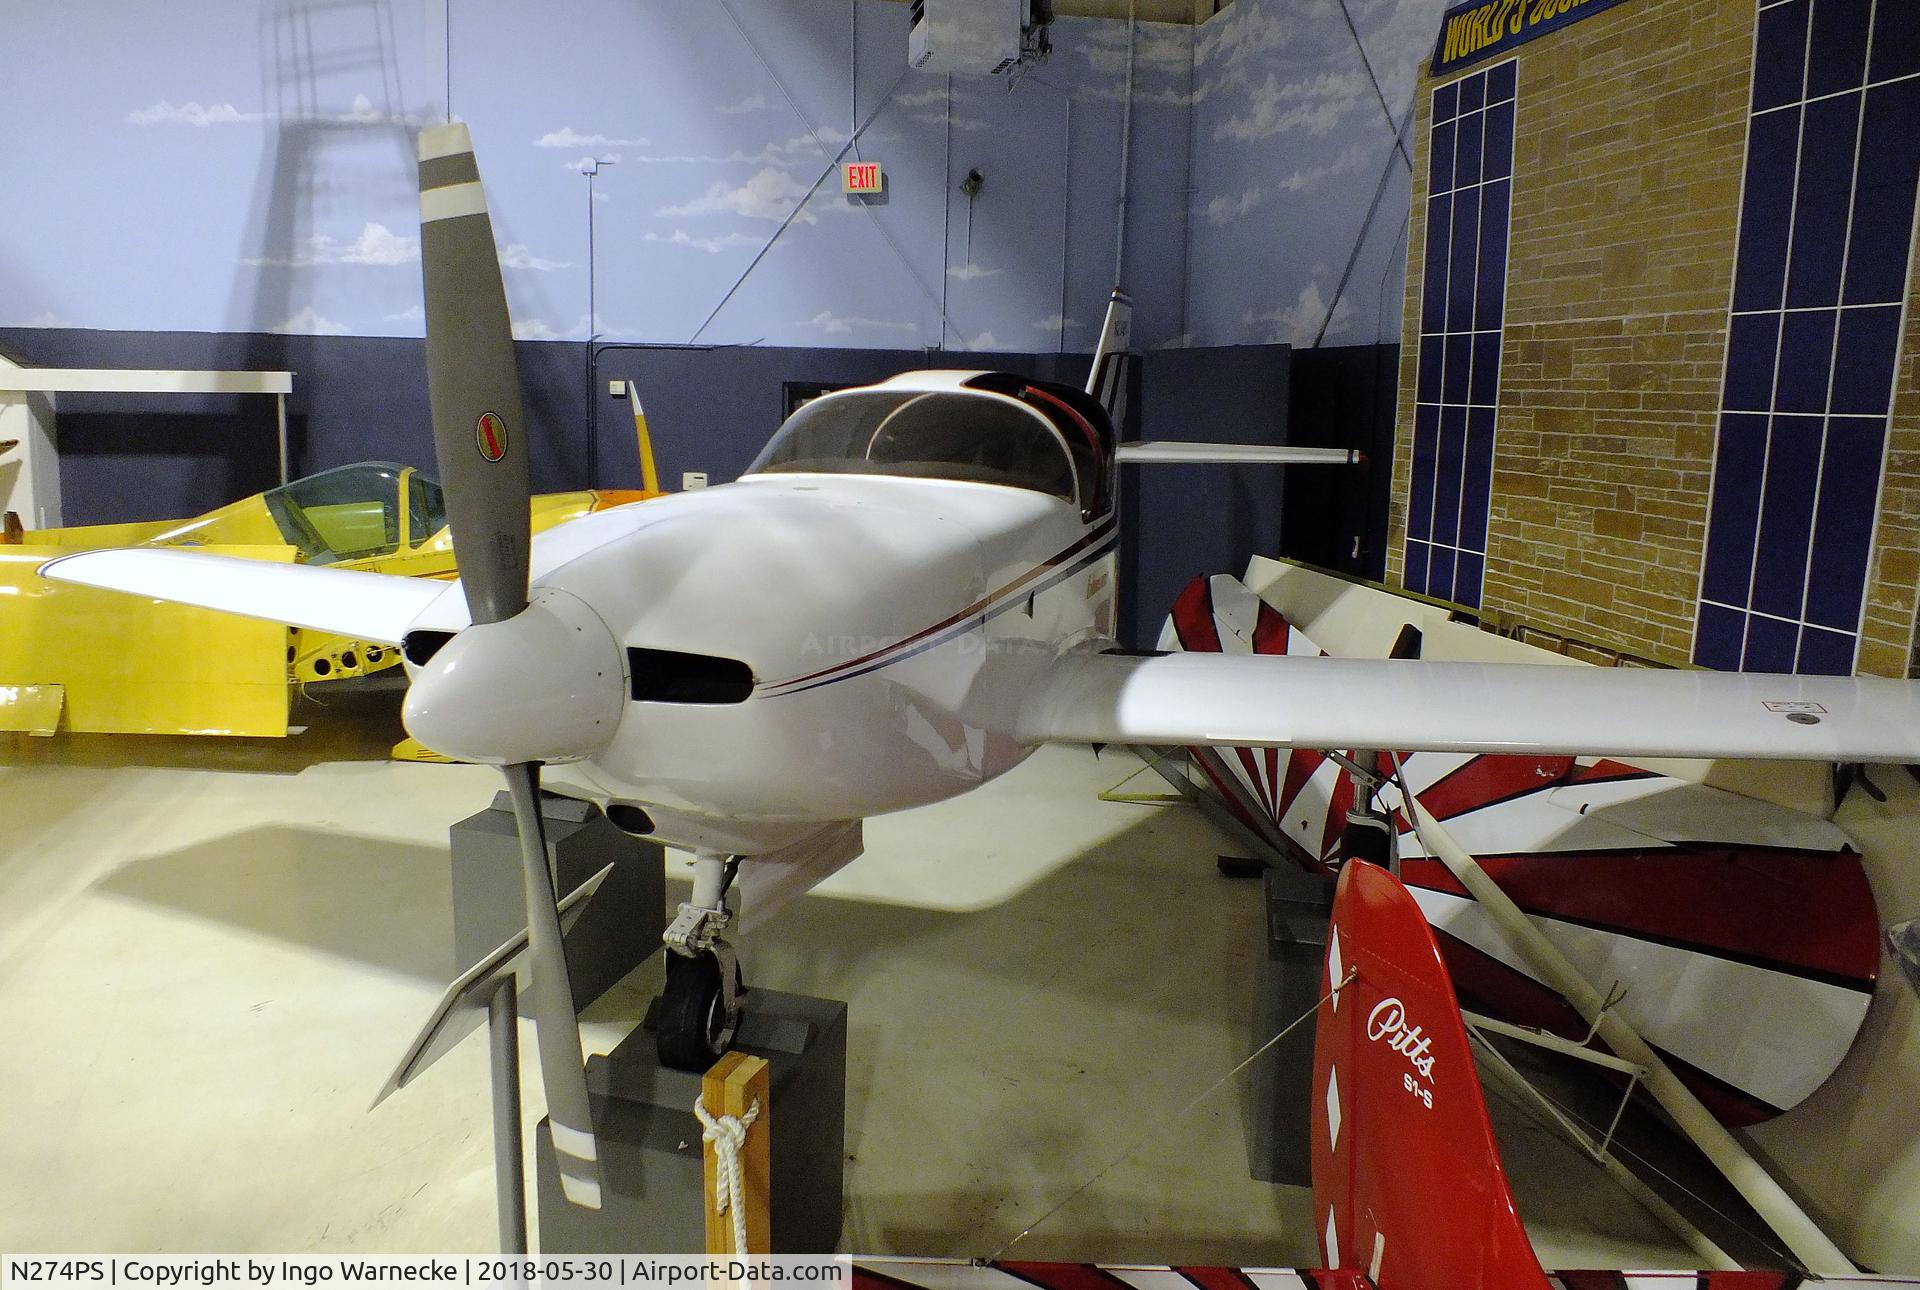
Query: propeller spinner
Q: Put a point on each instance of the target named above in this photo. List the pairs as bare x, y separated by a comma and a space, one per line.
550, 668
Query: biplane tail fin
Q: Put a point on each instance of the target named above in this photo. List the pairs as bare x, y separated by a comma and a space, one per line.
1407, 1183
649, 471
1113, 361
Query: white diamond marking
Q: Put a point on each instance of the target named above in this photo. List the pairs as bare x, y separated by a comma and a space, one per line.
1332, 1253
1334, 972
1333, 1107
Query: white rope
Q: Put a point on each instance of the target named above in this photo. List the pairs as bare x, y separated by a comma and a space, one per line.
728, 1133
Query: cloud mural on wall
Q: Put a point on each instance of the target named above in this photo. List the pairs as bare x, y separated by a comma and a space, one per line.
308, 323
515, 255
799, 150
1224, 210
1299, 323
1351, 160
568, 137
380, 246
836, 325
1262, 117
537, 329
1157, 46
166, 112
770, 193
1291, 143
711, 245
1316, 105
376, 244
201, 115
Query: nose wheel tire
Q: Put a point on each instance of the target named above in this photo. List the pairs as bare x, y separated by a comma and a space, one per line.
694, 1024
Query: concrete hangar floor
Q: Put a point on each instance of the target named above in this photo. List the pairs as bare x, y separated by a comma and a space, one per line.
212, 953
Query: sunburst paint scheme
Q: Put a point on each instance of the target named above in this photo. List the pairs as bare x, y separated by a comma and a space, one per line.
1743, 934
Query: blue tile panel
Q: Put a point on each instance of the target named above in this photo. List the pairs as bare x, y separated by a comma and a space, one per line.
1820, 275
1463, 300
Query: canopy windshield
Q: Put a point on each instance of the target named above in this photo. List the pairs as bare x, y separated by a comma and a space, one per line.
354, 511
943, 434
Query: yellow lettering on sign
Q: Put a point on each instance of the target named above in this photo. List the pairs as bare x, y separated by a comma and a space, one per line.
1456, 34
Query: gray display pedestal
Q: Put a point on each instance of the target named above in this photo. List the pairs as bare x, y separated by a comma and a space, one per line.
1298, 905
650, 1149
617, 930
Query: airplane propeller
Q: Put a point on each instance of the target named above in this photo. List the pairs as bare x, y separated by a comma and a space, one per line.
528, 682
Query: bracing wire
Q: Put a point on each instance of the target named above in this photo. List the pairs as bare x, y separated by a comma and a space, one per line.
1413, 817
1173, 1119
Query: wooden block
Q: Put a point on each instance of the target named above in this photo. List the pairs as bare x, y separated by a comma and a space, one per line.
736, 1082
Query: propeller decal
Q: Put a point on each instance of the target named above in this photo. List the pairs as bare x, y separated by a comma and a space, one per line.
490, 433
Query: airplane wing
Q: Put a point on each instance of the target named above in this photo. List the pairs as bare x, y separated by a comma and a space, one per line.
1241, 700
365, 606
1175, 451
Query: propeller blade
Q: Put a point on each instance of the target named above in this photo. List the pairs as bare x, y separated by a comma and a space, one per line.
549, 1001
479, 422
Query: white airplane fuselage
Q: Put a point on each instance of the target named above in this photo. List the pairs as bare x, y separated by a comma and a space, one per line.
891, 626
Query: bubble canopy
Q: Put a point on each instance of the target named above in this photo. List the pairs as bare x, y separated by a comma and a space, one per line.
960, 434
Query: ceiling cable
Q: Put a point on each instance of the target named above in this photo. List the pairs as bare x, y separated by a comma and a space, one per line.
1385, 111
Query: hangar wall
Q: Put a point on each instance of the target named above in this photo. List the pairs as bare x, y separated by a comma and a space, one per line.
1298, 171
1612, 398
710, 409
273, 228
247, 167
1269, 131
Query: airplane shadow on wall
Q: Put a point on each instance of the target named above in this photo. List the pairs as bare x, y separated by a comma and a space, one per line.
332, 93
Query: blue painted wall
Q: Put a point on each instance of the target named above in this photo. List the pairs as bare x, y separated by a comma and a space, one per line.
1294, 163
246, 167
231, 183
239, 166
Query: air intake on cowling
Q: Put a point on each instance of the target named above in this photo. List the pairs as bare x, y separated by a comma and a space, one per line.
668, 676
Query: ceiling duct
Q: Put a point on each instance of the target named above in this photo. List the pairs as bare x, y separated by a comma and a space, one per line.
977, 37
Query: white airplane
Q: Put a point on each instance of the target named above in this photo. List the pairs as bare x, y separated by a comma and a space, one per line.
909, 591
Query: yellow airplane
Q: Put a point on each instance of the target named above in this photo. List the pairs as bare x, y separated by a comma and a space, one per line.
77, 659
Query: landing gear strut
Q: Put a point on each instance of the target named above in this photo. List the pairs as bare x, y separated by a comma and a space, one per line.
700, 1007
1368, 833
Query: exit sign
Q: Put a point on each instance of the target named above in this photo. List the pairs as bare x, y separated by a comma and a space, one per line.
860, 177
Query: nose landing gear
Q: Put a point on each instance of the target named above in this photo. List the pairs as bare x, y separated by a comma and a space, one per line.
700, 1007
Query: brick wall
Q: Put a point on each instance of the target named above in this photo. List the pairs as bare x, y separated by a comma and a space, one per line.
1893, 576
1628, 149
